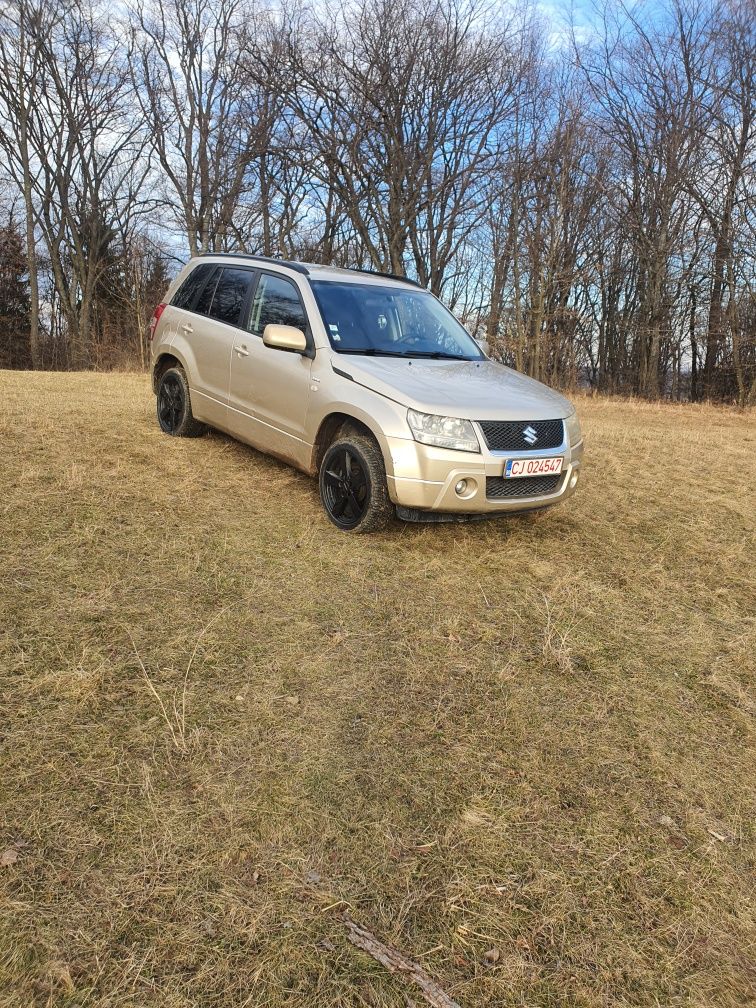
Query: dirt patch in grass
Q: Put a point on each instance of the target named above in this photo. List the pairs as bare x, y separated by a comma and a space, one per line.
224, 724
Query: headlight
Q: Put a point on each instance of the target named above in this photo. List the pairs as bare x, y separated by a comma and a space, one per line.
443, 431
573, 428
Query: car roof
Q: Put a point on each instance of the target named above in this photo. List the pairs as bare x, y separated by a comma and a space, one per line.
319, 271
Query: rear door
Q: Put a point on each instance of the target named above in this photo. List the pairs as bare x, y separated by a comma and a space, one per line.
270, 389
211, 331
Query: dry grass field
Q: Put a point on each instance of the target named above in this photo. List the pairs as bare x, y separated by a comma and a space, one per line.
520, 751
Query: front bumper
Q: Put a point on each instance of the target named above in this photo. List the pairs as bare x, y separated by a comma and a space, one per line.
423, 477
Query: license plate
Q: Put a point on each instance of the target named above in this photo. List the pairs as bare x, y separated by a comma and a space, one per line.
532, 467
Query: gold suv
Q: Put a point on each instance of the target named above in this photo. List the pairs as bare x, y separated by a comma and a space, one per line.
364, 379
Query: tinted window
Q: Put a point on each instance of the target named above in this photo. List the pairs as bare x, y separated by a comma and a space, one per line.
188, 290
230, 295
205, 299
276, 302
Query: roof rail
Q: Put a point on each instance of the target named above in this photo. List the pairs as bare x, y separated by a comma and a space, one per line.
389, 276
302, 268
298, 267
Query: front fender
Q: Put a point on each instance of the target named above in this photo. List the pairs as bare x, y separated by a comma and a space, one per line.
383, 418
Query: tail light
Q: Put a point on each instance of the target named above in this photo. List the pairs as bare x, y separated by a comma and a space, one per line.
156, 318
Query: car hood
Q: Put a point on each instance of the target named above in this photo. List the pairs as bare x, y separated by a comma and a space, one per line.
471, 390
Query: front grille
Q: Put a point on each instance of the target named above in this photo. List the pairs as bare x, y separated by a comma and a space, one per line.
522, 486
508, 435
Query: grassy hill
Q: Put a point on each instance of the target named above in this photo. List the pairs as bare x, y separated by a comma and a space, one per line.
520, 751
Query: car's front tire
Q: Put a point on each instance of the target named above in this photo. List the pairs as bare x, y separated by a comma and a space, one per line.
174, 405
353, 485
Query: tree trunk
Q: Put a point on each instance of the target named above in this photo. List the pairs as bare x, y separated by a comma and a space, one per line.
31, 248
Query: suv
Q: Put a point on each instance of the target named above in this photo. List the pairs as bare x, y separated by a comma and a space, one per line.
365, 379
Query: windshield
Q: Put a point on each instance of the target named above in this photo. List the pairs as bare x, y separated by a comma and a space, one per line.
391, 322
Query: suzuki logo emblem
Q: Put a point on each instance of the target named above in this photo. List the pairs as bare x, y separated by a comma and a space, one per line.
530, 435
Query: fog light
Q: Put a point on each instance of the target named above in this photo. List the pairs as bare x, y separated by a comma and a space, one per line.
574, 479
461, 487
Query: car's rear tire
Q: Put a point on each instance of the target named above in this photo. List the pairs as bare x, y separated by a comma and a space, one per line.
353, 485
174, 405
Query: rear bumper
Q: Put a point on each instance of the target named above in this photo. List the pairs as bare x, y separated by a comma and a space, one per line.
425, 478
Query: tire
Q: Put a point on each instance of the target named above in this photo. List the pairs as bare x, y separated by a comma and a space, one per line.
174, 405
353, 485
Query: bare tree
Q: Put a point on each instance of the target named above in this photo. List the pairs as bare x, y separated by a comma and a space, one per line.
193, 93
650, 86
19, 73
723, 188
590, 208
80, 146
402, 105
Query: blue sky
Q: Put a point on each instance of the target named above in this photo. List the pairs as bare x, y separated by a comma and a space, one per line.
584, 14
560, 13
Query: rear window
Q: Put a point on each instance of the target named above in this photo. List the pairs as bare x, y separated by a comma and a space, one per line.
230, 295
189, 289
203, 302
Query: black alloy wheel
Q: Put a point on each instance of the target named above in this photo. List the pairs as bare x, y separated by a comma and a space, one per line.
174, 408
346, 488
170, 403
353, 485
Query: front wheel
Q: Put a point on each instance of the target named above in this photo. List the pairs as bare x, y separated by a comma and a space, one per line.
174, 407
353, 485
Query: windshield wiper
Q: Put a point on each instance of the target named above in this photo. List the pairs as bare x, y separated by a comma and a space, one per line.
437, 355
425, 354
372, 352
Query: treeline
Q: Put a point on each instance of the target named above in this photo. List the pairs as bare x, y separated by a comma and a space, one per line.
586, 201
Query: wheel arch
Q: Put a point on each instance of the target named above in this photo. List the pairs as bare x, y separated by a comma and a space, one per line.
333, 425
163, 362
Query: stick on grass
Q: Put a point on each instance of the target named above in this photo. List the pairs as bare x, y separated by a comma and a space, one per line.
397, 962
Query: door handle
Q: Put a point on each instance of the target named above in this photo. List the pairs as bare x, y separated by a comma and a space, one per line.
242, 350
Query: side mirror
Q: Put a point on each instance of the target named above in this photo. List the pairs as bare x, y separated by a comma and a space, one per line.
284, 337
483, 344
